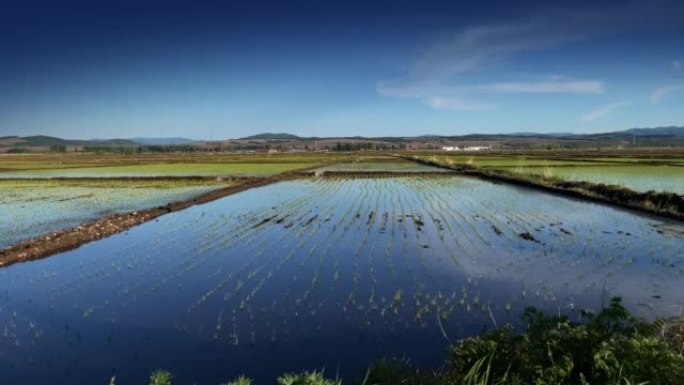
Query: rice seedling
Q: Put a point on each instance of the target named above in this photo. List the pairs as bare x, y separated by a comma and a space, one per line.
219, 279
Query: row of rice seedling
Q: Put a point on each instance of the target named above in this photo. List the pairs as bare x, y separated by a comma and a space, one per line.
377, 260
30, 210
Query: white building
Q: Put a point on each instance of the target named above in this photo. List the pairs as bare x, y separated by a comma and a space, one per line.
450, 148
477, 148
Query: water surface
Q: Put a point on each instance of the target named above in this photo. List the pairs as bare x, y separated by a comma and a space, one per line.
325, 274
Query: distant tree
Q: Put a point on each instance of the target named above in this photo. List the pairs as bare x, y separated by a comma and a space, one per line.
58, 148
18, 150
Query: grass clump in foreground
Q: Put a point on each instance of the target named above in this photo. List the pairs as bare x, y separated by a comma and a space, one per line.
608, 348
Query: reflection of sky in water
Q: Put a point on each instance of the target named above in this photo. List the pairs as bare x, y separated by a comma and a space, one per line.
639, 178
312, 274
32, 211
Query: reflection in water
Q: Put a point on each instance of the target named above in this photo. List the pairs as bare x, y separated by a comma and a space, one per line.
325, 274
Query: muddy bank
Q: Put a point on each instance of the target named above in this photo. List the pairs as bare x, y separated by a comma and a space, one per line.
64, 240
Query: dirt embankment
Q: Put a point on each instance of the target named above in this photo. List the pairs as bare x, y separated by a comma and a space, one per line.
68, 239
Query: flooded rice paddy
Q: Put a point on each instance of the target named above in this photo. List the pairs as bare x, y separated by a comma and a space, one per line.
665, 178
34, 208
382, 167
326, 273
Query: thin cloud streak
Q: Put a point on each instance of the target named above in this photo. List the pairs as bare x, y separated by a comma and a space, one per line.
660, 93
483, 45
467, 51
457, 104
601, 112
676, 65
440, 71
553, 87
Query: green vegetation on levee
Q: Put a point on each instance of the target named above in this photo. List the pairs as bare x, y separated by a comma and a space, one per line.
608, 348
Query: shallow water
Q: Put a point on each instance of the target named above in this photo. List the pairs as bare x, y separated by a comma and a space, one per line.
325, 274
28, 211
637, 177
405, 166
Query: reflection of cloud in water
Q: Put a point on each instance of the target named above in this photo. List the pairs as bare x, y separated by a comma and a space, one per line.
315, 273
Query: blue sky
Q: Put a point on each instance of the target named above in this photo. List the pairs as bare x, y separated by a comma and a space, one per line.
224, 70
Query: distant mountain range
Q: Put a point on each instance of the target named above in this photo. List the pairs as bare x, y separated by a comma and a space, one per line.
278, 136
46, 141
664, 131
42, 141
658, 136
657, 131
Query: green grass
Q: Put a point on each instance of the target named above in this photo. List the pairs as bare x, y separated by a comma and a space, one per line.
608, 348
202, 164
161, 377
50, 161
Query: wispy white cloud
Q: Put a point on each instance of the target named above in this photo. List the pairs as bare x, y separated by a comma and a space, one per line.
424, 89
601, 112
483, 45
432, 76
467, 51
660, 93
547, 87
441, 103
676, 65
441, 71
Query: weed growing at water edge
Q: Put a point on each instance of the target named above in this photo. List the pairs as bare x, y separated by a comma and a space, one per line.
242, 380
160, 377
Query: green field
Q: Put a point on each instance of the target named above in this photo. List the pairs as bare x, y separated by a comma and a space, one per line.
172, 169
660, 173
27, 162
175, 165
